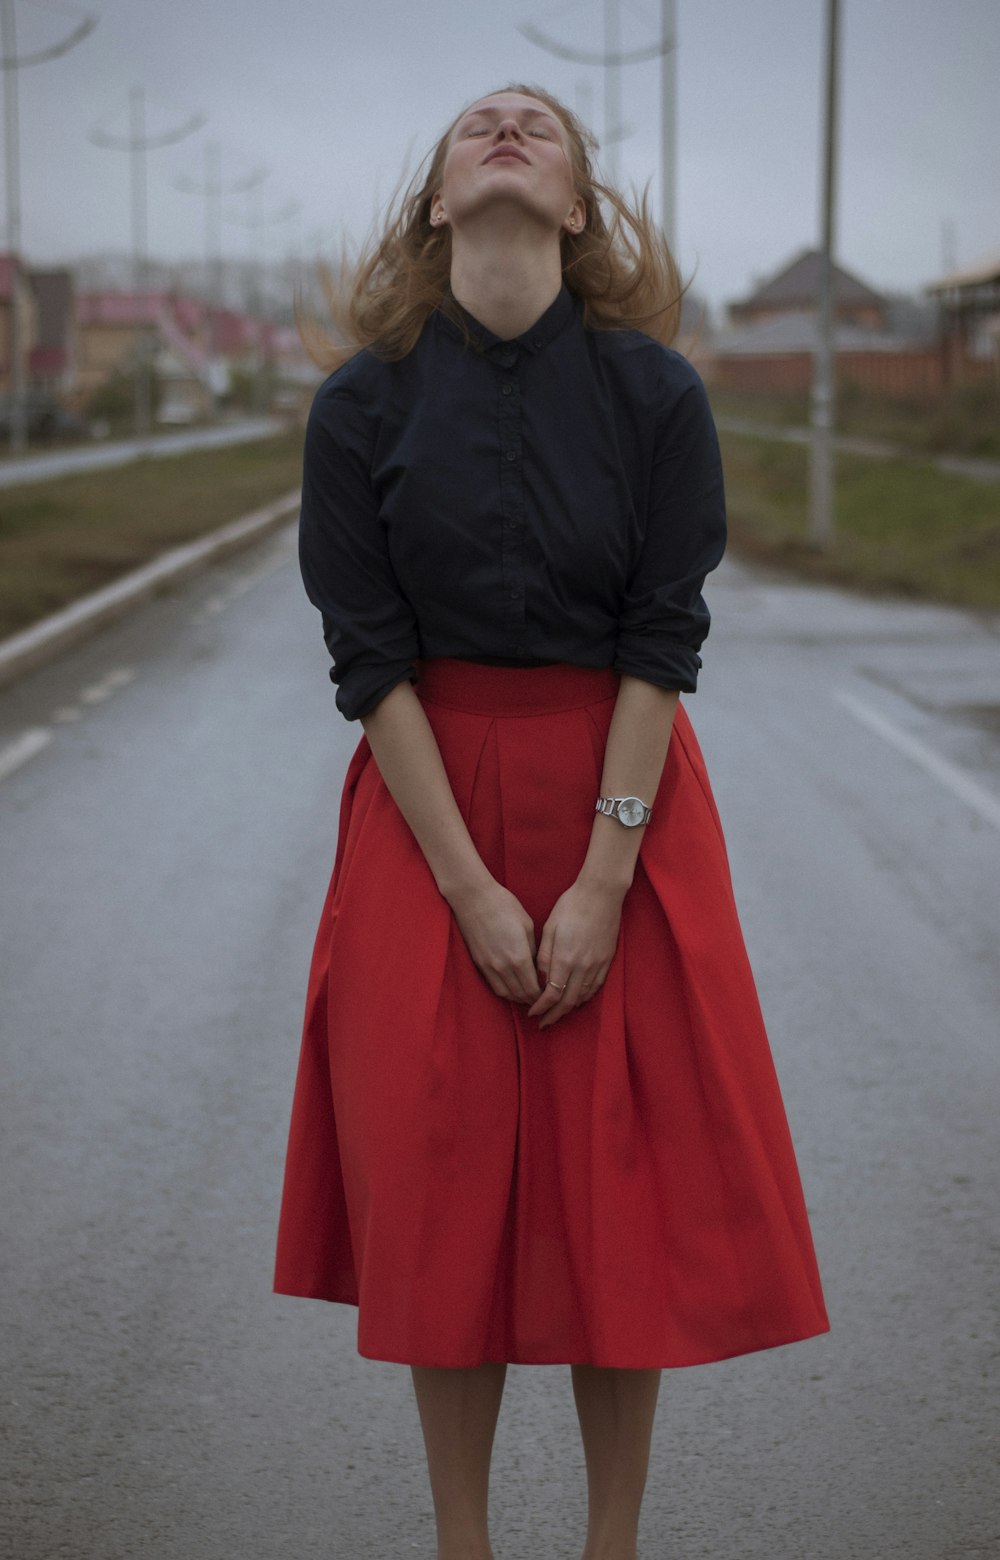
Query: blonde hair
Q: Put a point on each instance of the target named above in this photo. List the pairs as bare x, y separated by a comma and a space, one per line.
619, 265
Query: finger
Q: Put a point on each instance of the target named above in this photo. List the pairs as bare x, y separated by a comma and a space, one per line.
592, 985
543, 958
552, 992
525, 982
580, 985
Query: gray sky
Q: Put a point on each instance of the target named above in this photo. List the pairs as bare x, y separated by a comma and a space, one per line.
334, 98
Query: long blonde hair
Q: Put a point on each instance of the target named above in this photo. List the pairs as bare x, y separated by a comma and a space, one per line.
619, 265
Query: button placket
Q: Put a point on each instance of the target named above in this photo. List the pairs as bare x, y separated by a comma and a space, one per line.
512, 567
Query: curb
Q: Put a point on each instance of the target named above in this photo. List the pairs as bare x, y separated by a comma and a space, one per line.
34, 646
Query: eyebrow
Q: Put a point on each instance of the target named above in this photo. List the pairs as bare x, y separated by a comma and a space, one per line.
527, 113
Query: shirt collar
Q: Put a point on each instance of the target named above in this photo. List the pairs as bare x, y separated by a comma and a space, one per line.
553, 322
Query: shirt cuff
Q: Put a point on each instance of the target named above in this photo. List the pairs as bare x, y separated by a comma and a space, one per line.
667, 664
366, 686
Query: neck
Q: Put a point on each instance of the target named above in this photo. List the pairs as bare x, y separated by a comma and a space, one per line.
505, 280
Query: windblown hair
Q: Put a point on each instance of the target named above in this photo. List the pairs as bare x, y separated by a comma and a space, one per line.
619, 265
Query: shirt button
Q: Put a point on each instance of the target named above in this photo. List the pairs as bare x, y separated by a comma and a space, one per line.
512, 454
507, 389
515, 594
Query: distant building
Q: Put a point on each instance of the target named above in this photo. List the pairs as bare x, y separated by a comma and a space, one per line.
795, 290
969, 302
882, 342
16, 292
193, 345
52, 357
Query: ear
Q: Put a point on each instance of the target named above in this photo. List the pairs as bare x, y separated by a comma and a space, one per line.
576, 218
437, 212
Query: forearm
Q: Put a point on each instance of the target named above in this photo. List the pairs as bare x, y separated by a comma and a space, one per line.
409, 760
634, 755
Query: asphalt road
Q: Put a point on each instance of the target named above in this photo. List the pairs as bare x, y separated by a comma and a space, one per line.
167, 826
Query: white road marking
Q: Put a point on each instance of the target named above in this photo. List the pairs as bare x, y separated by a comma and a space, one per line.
24, 747
949, 775
109, 684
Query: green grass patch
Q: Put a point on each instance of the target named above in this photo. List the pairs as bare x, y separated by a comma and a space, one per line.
64, 537
901, 528
962, 421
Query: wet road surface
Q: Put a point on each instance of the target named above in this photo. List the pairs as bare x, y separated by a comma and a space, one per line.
167, 825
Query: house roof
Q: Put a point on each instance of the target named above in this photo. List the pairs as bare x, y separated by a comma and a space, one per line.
798, 331
118, 308
798, 283
985, 274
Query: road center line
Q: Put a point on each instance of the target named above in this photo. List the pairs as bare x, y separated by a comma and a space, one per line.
949, 775
26, 746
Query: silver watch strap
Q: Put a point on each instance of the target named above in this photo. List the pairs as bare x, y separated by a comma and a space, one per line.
609, 805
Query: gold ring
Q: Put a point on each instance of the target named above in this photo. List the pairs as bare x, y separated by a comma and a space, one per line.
558, 987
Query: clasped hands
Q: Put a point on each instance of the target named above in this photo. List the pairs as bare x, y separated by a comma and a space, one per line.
577, 944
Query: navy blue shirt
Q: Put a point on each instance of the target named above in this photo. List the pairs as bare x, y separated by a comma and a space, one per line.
557, 497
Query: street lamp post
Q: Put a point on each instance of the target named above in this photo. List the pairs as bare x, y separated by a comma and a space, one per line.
213, 187
611, 59
11, 61
137, 143
821, 455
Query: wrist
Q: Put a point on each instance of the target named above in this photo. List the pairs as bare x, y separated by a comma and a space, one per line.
610, 881
459, 887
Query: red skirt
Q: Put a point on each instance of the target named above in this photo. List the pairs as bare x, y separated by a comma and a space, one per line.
618, 1190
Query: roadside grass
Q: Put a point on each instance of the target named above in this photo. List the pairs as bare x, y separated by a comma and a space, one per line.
962, 421
902, 528
63, 537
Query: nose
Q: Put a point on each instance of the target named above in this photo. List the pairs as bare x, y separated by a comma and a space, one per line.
508, 128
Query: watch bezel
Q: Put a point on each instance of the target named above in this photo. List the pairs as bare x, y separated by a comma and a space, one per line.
635, 806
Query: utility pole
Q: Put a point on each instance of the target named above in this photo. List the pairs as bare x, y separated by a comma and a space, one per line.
821, 455
11, 62
254, 222
668, 124
213, 187
137, 143
611, 59
612, 87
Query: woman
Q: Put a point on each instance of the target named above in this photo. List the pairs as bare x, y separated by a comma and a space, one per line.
536, 1118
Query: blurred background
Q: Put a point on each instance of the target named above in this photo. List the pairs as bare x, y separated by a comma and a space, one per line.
170, 752
271, 131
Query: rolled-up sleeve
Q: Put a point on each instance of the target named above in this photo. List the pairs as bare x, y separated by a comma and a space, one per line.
664, 619
369, 626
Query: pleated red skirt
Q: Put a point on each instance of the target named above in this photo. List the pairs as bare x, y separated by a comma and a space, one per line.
618, 1190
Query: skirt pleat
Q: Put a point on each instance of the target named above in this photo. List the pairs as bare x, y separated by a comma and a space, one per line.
618, 1190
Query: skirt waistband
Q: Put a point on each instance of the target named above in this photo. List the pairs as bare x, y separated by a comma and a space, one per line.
513, 690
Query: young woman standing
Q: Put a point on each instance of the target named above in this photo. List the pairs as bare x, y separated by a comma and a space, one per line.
536, 1118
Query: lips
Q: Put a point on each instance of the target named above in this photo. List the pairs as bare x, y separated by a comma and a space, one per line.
505, 150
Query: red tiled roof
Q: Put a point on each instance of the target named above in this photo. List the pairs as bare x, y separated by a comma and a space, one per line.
118, 308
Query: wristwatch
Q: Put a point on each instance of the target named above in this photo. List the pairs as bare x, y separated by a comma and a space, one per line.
629, 810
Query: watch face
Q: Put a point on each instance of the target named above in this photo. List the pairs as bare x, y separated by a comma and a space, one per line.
630, 811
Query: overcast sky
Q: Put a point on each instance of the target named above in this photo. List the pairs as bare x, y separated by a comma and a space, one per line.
334, 98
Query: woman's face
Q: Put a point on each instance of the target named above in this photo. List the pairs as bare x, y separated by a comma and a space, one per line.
508, 149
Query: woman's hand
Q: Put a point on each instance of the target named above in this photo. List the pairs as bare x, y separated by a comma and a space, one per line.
500, 936
578, 943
